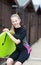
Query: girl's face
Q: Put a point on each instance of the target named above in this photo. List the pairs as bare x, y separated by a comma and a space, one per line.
15, 21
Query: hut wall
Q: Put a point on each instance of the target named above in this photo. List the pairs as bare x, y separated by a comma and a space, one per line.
5, 13
32, 22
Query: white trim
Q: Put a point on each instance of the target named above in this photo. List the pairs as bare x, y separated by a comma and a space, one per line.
14, 5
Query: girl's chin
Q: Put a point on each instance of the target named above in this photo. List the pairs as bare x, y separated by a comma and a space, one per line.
16, 27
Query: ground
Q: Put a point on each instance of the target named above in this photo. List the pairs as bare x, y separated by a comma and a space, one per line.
35, 56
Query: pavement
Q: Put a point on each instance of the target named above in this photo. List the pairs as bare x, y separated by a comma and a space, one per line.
35, 56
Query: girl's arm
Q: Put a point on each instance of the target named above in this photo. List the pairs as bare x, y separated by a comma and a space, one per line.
17, 41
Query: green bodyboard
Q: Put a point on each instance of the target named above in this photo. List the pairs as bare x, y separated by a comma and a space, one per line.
7, 46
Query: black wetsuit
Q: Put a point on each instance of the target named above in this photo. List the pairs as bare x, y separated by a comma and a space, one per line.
20, 53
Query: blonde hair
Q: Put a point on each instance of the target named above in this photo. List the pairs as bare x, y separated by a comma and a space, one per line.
15, 15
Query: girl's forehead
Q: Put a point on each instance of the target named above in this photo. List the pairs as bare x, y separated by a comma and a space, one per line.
14, 18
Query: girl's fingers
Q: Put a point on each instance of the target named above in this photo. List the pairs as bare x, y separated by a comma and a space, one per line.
6, 29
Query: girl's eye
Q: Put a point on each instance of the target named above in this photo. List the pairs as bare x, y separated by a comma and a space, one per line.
14, 21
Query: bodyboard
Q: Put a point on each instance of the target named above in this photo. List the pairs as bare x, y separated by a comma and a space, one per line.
7, 46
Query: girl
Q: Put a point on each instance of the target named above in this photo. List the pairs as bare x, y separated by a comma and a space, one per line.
21, 52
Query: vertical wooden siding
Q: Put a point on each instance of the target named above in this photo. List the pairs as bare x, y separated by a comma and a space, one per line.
32, 22
5, 13
0, 16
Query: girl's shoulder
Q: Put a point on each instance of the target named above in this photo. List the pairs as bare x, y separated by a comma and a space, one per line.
22, 28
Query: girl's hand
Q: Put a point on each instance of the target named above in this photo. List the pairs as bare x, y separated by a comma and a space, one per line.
6, 30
